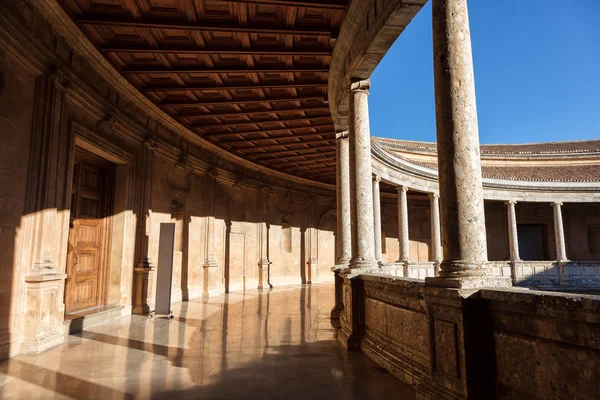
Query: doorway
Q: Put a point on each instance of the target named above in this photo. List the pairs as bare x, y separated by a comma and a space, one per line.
532, 243
92, 198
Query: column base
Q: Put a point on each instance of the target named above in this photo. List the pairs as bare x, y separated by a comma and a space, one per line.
356, 266
143, 299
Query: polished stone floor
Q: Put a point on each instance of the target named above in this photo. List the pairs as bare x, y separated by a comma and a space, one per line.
276, 344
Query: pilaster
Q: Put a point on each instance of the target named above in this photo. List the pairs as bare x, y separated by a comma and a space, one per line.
264, 265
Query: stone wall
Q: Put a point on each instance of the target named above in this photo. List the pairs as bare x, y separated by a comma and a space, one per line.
51, 103
492, 343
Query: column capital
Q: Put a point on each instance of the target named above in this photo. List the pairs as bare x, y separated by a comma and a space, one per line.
376, 178
360, 86
434, 195
401, 189
513, 202
556, 203
341, 135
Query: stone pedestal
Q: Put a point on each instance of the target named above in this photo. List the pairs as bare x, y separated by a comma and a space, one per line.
144, 294
352, 317
45, 312
264, 266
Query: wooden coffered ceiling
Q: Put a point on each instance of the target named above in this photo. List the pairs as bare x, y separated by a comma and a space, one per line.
247, 75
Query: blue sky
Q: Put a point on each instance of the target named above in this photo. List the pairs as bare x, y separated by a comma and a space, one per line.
537, 74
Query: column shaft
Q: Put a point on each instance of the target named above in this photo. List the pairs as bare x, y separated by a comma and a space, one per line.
513, 239
361, 190
459, 165
403, 237
263, 238
559, 233
343, 199
436, 236
377, 219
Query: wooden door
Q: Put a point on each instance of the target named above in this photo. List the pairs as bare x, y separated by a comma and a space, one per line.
88, 241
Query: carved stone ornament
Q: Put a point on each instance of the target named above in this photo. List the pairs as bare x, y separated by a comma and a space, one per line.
108, 121
151, 143
179, 179
286, 205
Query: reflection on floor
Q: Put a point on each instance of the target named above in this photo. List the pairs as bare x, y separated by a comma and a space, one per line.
276, 344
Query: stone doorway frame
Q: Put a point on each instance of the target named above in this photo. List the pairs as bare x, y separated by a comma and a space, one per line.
118, 268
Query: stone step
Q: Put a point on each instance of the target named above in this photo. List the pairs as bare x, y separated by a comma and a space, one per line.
80, 320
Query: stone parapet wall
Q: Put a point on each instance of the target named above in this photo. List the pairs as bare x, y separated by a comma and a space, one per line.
492, 343
569, 276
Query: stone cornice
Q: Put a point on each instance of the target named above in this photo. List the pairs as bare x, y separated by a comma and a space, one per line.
400, 172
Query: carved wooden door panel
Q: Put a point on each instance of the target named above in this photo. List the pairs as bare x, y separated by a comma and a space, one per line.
86, 252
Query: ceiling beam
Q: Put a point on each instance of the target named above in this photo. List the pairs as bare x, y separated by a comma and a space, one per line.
165, 88
271, 99
313, 171
234, 124
206, 26
219, 50
324, 4
223, 70
269, 146
279, 154
253, 113
268, 131
297, 164
294, 135
285, 160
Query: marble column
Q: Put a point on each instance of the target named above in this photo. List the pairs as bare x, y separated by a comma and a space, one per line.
343, 200
459, 164
403, 238
343, 240
377, 219
513, 239
361, 190
263, 239
559, 233
352, 319
436, 235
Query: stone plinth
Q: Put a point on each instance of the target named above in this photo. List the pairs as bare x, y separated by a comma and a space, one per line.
45, 312
144, 299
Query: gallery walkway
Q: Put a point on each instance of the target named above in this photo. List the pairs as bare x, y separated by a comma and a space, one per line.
276, 344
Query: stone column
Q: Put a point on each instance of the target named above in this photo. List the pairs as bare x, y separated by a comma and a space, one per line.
559, 233
264, 264
436, 236
343, 241
377, 219
352, 318
459, 164
513, 239
361, 190
210, 262
403, 237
